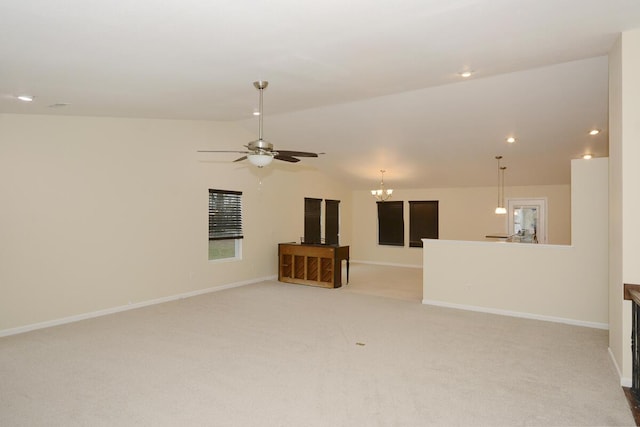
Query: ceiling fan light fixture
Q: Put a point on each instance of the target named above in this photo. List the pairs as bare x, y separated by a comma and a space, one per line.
260, 160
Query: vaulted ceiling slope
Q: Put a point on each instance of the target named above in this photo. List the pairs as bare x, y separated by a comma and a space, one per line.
374, 84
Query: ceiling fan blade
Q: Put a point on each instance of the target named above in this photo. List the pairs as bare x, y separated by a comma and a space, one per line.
297, 153
240, 159
286, 158
222, 151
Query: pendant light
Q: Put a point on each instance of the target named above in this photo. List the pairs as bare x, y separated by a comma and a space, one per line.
382, 193
500, 209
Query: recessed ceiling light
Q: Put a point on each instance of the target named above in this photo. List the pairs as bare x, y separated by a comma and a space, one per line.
25, 98
594, 132
466, 74
587, 156
256, 113
511, 140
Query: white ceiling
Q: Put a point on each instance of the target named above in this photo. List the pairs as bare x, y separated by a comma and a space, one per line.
372, 83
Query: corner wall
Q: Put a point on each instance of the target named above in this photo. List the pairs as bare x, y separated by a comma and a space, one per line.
560, 283
624, 149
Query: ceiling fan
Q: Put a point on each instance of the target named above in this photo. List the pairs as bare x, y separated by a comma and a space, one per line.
260, 152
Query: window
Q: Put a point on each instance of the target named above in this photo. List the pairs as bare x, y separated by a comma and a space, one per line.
225, 224
331, 222
312, 220
390, 223
423, 222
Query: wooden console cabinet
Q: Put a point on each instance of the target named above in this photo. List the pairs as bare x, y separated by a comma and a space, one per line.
316, 265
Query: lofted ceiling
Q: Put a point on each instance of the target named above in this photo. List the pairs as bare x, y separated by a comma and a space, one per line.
374, 84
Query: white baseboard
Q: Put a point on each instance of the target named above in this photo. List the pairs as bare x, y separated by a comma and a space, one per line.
118, 309
574, 322
390, 264
624, 382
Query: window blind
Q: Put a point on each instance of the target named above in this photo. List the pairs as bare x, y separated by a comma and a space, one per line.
225, 215
423, 222
331, 221
391, 223
312, 220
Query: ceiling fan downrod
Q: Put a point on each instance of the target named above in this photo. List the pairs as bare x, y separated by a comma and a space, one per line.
261, 85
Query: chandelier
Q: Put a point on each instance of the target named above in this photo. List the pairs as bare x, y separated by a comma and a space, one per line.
382, 193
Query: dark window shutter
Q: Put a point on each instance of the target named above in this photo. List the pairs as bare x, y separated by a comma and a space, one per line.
423, 222
312, 220
225, 214
331, 221
391, 223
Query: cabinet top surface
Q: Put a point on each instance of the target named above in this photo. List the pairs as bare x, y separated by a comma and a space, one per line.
316, 245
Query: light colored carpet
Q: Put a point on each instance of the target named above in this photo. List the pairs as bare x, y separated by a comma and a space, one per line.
275, 354
384, 281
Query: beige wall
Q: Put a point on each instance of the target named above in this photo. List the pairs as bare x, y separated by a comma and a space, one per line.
631, 156
617, 334
101, 212
562, 283
464, 214
624, 148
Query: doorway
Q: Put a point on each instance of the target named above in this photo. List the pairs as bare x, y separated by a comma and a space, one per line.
528, 220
